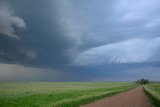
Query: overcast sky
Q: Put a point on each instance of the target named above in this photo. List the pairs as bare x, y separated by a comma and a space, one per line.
79, 40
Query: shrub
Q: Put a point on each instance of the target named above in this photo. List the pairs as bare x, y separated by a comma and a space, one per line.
142, 81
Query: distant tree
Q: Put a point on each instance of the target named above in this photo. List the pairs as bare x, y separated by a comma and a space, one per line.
142, 81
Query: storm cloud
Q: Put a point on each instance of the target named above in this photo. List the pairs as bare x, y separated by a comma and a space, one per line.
131, 51
8, 20
92, 40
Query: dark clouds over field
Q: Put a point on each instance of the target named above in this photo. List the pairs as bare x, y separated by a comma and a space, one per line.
79, 40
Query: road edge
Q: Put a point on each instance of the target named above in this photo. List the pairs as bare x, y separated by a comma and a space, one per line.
153, 98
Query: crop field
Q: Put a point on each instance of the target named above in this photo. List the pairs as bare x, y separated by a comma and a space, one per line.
57, 94
153, 90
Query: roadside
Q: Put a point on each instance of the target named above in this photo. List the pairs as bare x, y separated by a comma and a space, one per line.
132, 98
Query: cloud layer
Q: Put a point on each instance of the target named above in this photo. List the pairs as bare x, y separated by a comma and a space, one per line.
74, 36
91, 24
130, 51
7, 21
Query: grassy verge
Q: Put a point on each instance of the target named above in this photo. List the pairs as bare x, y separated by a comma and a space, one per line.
87, 98
153, 92
54, 94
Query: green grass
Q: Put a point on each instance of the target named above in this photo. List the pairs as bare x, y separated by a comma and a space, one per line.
153, 91
57, 94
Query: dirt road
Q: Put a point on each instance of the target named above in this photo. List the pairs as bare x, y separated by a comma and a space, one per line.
132, 98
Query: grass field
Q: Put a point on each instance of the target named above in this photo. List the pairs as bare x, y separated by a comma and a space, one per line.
153, 90
57, 94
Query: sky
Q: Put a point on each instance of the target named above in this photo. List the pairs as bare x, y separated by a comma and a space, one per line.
79, 40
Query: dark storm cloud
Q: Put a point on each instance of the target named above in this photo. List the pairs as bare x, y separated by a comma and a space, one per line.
7, 20
116, 32
88, 39
43, 43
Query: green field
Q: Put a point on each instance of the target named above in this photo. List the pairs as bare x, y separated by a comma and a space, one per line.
153, 90
57, 94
